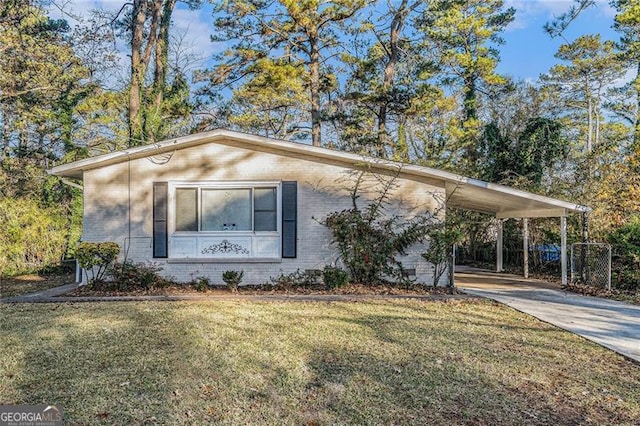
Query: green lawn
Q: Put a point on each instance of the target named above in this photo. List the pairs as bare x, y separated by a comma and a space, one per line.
396, 362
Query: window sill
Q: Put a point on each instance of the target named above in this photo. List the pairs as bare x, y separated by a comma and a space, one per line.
225, 260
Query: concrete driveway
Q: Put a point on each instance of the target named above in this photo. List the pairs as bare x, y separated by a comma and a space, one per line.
614, 325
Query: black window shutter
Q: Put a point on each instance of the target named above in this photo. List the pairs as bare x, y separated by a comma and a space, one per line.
160, 204
289, 218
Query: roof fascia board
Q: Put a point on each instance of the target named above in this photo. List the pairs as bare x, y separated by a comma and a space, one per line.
220, 135
509, 214
493, 187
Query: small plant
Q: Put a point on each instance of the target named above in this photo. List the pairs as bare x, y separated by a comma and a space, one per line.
133, 276
96, 255
439, 253
334, 277
201, 283
232, 279
296, 279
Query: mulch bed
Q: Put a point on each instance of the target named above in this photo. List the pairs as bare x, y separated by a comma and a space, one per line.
266, 289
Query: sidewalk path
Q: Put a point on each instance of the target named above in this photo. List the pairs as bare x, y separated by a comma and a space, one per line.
613, 324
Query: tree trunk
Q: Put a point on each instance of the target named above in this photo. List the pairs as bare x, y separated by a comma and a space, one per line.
589, 123
137, 74
596, 139
393, 56
160, 71
636, 130
314, 83
470, 114
389, 74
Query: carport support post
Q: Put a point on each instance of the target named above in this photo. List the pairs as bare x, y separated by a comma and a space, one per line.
525, 246
563, 249
499, 247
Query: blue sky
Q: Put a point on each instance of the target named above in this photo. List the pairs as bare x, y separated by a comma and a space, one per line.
527, 53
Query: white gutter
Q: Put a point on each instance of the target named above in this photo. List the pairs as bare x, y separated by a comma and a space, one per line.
298, 148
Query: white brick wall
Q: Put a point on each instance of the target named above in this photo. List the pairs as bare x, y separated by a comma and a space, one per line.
322, 189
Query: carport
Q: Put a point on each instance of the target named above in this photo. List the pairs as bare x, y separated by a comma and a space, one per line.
508, 203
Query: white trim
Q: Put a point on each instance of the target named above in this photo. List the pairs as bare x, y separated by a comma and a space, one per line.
563, 250
516, 198
525, 247
500, 246
202, 260
508, 214
209, 184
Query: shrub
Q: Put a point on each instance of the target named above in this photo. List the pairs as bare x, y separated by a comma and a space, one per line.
440, 251
32, 236
334, 277
296, 279
97, 255
232, 279
201, 283
128, 276
626, 260
369, 240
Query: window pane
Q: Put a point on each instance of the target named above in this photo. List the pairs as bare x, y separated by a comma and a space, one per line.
186, 209
265, 221
264, 199
226, 210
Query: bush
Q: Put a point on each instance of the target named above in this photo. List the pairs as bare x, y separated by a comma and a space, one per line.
440, 251
626, 259
32, 236
232, 279
296, 279
334, 277
97, 255
201, 284
369, 240
132, 276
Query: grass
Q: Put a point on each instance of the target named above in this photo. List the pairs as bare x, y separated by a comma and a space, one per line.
31, 283
382, 362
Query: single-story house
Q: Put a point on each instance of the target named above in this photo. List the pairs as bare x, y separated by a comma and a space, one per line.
202, 204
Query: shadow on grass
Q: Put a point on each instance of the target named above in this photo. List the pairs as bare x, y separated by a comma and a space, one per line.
31, 283
302, 363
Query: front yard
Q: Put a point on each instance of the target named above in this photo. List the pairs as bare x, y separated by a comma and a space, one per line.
31, 283
239, 362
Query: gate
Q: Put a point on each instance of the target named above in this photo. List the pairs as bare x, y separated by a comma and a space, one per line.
591, 264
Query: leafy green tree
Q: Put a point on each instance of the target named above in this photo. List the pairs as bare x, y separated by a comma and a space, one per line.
523, 160
591, 67
41, 83
627, 22
271, 100
383, 82
442, 239
369, 239
290, 33
626, 240
463, 34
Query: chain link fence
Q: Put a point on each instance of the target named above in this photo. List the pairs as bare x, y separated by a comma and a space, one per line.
591, 264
